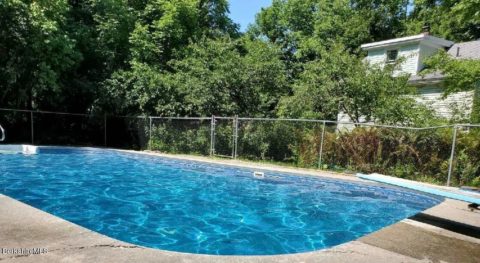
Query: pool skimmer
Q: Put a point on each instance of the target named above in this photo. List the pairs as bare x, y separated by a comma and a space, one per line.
259, 175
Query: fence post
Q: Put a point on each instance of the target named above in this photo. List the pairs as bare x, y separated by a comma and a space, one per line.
105, 129
212, 136
235, 138
320, 153
452, 155
31, 127
150, 134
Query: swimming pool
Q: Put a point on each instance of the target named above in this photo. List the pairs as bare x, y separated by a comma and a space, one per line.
201, 208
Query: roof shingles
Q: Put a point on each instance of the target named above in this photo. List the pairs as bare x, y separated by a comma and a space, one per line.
466, 50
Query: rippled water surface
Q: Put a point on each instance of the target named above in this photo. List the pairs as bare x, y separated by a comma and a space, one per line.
201, 208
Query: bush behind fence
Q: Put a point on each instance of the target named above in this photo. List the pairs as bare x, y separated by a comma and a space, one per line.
418, 154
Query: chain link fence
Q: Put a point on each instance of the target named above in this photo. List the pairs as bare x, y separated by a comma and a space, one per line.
126, 132
180, 135
410, 153
447, 155
223, 144
282, 141
67, 129
465, 156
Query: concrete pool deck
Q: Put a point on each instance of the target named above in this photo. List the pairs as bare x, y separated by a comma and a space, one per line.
448, 232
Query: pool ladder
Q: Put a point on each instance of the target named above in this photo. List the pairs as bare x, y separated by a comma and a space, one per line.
3, 134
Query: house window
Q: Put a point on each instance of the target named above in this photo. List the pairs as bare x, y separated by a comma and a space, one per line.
392, 55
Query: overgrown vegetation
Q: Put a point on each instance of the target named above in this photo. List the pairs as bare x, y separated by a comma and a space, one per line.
186, 57
421, 155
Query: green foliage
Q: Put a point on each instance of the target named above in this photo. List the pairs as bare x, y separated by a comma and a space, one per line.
143, 88
180, 139
476, 106
268, 140
221, 77
337, 22
136, 57
416, 155
185, 62
340, 82
293, 23
451, 19
35, 52
468, 17
226, 77
460, 74
114, 22
166, 26
467, 165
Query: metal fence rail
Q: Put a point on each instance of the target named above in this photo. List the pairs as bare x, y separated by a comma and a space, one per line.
228, 137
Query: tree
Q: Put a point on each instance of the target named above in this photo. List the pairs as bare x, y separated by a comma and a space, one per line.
143, 89
352, 23
228, 77
221, 77
303, 28
451, 19
165, 27
340, 82
460, 74
214, 19
136, 56
36, 52
114, 21
467, 14
163, 35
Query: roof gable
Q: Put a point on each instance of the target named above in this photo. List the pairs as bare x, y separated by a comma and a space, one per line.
422, 38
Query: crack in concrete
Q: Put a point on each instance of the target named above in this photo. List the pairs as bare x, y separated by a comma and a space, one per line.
343, 252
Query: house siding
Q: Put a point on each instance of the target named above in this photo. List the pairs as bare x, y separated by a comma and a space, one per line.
425, 52
455, 105
409, 53
345, 122
458, 104
376, 57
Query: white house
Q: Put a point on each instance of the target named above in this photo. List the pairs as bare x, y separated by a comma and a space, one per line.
414, 50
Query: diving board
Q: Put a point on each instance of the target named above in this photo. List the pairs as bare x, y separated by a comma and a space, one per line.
447, 193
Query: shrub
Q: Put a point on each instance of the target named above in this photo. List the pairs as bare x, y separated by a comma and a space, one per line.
180, 138
476, 106
421, 155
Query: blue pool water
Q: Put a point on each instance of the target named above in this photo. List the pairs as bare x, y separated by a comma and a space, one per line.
201, 208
